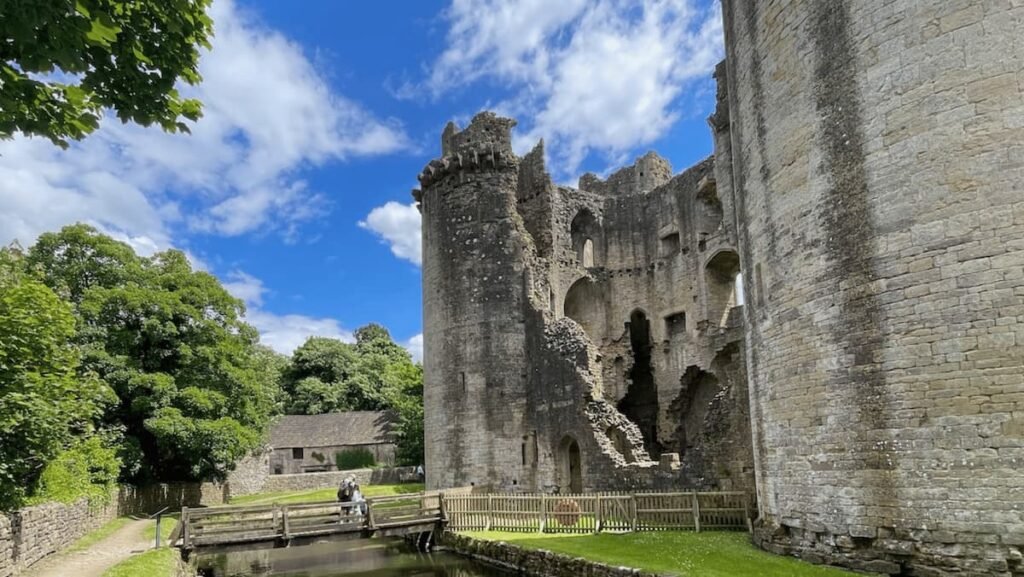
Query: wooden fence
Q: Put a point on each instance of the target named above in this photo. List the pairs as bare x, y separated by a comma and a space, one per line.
596, 512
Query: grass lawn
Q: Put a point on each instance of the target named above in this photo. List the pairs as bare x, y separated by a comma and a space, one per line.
329, 494
153, 563
687, 554
98, 535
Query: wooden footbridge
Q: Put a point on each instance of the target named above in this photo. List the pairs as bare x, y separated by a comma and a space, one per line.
281, 525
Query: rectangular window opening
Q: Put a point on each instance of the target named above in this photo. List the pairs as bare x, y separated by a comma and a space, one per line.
297, 453
670, 244
675, 325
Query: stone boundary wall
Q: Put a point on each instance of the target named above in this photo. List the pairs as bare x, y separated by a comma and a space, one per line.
6, 547
532, 562
152, 498
308, 481
33, 533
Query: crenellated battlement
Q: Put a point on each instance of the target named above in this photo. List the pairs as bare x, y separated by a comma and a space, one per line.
469, 160
483, 145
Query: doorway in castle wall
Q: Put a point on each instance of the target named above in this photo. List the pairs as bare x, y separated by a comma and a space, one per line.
570, 466
640, 404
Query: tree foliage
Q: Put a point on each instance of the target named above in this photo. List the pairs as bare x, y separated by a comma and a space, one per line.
63, 61
194, 392
45, 397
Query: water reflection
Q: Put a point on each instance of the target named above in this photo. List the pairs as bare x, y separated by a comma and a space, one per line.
359, 558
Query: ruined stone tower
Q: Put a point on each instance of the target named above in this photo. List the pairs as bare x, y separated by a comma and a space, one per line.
833, 301
473, 305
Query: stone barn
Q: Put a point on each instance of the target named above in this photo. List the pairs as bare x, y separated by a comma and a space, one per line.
311, 443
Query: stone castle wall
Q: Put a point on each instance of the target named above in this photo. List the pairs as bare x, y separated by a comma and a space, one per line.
879, 173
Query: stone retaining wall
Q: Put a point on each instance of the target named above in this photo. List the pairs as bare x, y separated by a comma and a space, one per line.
532, 562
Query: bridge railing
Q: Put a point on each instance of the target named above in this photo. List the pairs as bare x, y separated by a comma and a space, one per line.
260, 522
597, 512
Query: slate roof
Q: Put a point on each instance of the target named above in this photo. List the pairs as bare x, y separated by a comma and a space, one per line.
331, 429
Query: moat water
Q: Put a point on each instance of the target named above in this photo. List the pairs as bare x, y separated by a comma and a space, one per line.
356, 558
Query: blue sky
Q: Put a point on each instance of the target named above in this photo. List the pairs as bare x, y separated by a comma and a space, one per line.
294, 188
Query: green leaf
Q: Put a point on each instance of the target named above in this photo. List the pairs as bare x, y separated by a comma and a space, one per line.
102, 34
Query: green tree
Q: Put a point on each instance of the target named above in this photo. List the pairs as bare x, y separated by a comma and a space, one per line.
45, 399
194, 394
63, 61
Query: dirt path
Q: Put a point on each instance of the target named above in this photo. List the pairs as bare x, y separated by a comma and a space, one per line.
92, 562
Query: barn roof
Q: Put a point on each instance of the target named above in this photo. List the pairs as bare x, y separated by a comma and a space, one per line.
331, 429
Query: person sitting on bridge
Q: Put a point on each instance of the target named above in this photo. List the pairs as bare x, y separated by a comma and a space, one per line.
357, 498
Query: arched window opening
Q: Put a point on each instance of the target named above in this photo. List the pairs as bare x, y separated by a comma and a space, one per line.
586, 239
724, 286
640, 404
585, 304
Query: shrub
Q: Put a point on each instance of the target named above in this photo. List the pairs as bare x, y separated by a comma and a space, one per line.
354, 459
89, 468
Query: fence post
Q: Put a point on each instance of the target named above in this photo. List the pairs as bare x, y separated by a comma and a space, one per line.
442, 508
543, 512
185, 528
490, 512
600, 516
696, 512
746, 512
284, 517
632, 501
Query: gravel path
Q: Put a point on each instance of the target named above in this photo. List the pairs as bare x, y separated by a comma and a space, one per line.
93, 561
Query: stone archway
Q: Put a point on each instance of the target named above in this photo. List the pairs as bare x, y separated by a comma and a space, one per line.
570, 466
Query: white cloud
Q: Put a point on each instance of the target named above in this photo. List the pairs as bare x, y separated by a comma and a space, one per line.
603, 75
245, 286
283, 333
267, 115
415, 347
399, 226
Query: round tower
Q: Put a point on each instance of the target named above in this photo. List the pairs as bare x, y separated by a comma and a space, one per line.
474, 361
878, 159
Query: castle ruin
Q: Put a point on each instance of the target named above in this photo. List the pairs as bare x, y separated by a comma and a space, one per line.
827, 312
